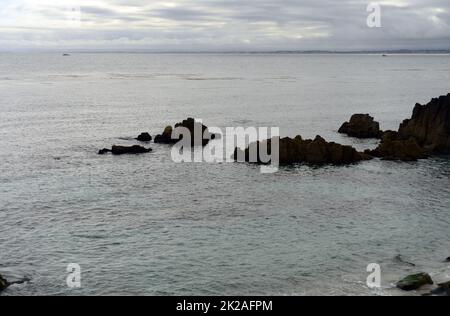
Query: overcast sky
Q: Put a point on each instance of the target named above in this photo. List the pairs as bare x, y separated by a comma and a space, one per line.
222, 25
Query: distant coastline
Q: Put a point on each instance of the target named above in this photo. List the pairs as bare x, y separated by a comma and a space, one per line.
251, 52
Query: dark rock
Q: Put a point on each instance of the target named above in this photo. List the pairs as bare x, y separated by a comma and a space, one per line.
191, 124
361, 126
430, 125
415, 281
121, 150
443, 289
389, 135
144, 137
392, 147
104, 151
297, 150
3, 283
166, 136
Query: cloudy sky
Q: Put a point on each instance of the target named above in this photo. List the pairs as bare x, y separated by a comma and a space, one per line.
222, 25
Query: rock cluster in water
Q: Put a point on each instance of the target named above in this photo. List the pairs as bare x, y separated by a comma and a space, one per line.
166, 138
417, 281
426, 133
361, 126
297, 150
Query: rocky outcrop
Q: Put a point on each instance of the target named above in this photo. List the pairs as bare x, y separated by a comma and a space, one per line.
297, 150
144, 137
415, 281
192, 125
392, 147
430, 125
122, 150
361, 126
3, 283
166, 136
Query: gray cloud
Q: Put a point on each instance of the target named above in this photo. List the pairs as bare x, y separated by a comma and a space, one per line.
226, 25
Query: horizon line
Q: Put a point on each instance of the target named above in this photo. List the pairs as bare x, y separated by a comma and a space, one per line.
149, 51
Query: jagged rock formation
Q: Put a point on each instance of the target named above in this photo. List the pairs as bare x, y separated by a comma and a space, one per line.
297, 150
426, 133
361, 126
192, 125
430, 125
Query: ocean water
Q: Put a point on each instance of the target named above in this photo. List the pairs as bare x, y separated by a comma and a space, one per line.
146, 225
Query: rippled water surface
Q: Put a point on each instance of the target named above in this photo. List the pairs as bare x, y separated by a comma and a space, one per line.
145, 225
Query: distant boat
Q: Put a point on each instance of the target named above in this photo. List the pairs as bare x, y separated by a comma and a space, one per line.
384, 55
65, 55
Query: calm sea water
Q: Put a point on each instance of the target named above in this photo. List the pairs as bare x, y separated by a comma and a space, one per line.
145, 225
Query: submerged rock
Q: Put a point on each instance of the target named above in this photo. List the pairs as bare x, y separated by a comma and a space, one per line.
443, 289
192, 125
361, 126
297, 150
430, 125
121, 150
392, 147
144, 137
415, 281
399, 259
3, 283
